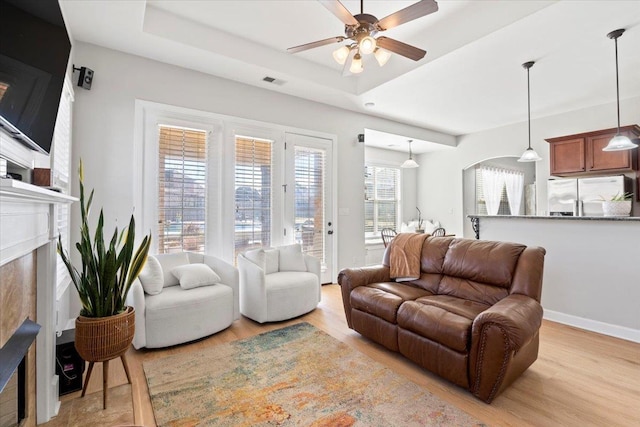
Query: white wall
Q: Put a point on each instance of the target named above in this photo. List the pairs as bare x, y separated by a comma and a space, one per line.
104, 131
441, 173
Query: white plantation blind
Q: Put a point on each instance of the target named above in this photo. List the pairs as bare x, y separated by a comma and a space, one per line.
60, 172
182, 174
253, 168
382, 199
310, 167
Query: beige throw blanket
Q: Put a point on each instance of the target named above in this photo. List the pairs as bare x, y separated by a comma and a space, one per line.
404, 256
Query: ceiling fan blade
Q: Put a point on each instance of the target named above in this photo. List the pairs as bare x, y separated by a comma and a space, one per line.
416, 10
340, 11
315, 44
400, 48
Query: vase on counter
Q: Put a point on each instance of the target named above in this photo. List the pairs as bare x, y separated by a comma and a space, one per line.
616, 207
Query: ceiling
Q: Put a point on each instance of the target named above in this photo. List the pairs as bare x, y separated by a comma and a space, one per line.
470, 80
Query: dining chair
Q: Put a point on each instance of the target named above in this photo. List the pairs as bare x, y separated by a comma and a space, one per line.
387, 235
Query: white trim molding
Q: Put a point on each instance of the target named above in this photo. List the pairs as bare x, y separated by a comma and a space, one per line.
617, 331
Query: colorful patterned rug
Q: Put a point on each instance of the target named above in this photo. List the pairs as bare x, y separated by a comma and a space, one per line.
295, 376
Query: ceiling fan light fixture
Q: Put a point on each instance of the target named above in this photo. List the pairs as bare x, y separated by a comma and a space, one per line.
356, 64
341, 54
382, 56
367, 45
618, 142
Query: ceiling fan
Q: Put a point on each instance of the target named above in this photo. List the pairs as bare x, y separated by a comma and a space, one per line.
361, 30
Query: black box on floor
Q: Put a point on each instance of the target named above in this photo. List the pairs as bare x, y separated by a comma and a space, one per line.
69, 364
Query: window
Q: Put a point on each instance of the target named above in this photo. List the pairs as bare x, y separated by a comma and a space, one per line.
481, 203
182, 173
309, 200
253, 182
381, 199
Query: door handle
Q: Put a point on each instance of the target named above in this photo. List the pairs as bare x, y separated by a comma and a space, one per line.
330, 232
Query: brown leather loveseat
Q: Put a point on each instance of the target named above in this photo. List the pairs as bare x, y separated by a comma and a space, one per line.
472, 317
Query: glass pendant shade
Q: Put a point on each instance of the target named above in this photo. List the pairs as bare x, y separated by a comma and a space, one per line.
529, 155
409, 163
341, 54
382, 56
356, 64
619, 143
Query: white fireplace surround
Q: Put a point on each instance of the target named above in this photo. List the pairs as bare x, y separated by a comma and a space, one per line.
27, 223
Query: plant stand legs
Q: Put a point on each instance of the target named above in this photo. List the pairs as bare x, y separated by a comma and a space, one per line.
105, 378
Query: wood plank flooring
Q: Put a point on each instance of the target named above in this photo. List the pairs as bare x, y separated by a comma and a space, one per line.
580, 378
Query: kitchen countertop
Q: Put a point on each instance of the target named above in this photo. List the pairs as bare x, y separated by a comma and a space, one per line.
562, 218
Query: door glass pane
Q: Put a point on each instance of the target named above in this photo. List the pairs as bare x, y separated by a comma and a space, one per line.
253, 169
309, 200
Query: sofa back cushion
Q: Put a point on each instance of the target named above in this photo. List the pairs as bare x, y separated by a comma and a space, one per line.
478, 270
168, 263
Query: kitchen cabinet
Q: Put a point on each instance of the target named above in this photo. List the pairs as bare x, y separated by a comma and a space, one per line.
581, 154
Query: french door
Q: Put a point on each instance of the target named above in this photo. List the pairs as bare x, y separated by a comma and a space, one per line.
308, 199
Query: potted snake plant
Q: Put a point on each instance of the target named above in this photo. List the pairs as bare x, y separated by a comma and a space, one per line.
105, 326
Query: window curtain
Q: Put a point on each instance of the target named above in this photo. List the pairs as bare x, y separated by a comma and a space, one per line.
514, 183
492, 184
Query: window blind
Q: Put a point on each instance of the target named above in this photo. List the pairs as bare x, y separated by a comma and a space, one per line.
382, 198
310, 167
182, 174
253, 168
60, 171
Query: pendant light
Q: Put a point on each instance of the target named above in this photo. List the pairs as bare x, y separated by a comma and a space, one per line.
529, 154
409, 163
618, 142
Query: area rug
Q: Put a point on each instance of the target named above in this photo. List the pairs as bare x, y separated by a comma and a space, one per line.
294, 376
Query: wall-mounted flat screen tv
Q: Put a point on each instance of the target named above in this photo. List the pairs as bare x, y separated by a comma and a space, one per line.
34, 53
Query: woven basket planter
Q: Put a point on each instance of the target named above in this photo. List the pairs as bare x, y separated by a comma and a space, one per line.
104, 338
616, 207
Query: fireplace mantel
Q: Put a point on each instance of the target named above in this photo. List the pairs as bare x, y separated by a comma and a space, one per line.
28, 218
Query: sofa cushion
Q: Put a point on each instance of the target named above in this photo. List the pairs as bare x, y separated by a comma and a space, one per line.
459, 306
291, 258
437, 324
405, 290
290, 294
151, 277
265, 258
377, 302
176, 316
469, 259
195, 275
168, 263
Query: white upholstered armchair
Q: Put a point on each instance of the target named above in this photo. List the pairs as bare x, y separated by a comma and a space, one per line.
182, 297
278, 283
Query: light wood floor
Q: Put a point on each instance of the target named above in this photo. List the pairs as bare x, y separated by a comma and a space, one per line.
580, 378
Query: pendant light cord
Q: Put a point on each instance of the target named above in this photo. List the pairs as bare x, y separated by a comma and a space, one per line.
529, 107
617, 85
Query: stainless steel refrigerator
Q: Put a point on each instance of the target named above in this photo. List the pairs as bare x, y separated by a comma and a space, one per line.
584, 196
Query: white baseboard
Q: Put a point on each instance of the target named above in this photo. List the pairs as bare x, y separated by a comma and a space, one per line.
617, 331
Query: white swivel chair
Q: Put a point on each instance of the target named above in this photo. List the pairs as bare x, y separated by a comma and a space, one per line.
182, 297
278, 283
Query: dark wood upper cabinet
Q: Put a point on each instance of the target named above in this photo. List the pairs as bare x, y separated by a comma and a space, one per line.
582, 153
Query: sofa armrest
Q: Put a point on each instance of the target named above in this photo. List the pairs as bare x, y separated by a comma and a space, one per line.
499, 334
351, 278
253, 292
135, 298
313, 266
229, 276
